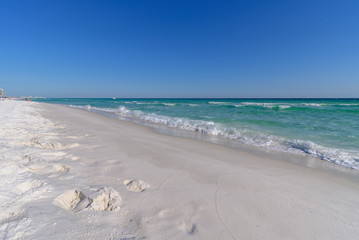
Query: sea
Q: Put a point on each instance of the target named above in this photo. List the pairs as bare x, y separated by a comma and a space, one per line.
327, 129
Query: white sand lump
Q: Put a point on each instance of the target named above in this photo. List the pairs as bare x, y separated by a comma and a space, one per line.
107, 200
72, 200
61, 168
136, 185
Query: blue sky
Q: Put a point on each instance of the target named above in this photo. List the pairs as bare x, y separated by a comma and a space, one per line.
180, 48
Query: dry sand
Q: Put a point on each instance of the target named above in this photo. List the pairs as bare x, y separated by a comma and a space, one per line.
93, 177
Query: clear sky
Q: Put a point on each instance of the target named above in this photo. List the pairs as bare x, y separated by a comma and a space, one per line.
189, 48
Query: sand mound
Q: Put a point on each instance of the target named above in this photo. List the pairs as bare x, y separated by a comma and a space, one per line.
136, 185
48, 168
38, 167
61, 168
12, 213
27, 186
54, 154
72, 200
107, 200
41, 143
69, 146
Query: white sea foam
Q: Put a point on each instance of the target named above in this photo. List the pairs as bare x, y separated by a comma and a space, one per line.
348, 104
220, 103
337, 156
266, 105
259, 104
313, 104
140, 103
226, 104
284, 106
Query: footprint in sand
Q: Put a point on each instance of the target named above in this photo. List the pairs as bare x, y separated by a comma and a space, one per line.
135, 185
188, 227
185, 219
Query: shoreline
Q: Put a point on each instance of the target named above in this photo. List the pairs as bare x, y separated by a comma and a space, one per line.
196, 189
283, 126
298, 159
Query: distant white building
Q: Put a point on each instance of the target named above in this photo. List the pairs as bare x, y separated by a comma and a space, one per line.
2, 93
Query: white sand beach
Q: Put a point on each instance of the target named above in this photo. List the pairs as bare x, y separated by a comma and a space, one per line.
67, 173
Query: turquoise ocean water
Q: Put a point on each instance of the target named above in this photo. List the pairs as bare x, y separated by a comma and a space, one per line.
327, 129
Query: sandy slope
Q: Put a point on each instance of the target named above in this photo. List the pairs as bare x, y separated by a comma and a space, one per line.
83, 183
